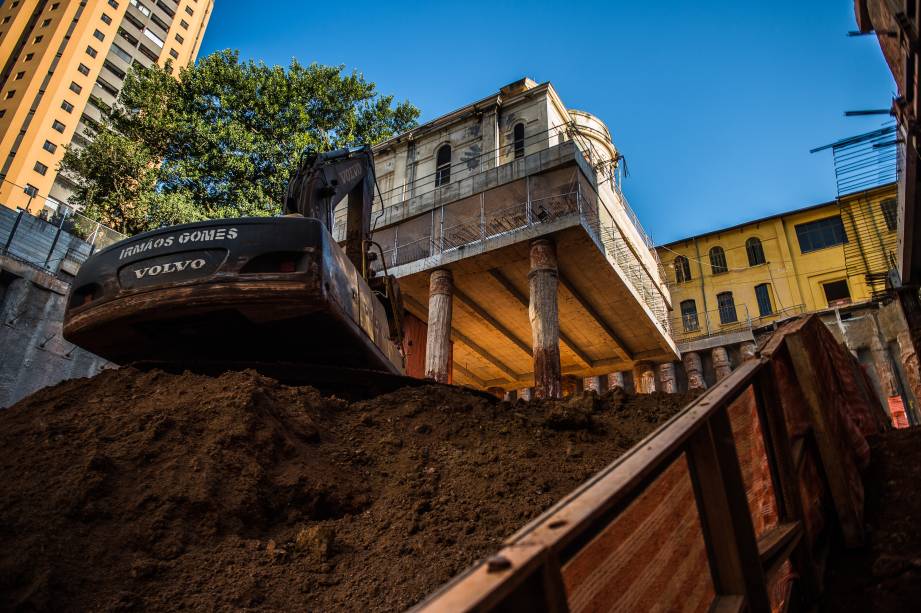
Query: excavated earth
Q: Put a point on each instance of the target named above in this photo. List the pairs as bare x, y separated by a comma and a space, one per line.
149, 491
884, 576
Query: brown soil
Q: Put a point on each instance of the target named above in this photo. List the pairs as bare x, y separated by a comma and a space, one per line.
151, 491
885, 575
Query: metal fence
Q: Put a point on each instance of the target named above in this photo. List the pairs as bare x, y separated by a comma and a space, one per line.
862, 163
443, 237
865, 161
699, 324
56, 240
606, 171
729, 319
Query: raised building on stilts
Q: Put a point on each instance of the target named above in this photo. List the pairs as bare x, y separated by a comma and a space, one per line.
522, 266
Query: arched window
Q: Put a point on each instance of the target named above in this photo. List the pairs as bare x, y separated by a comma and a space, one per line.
755, 251
689, 316
682, 269
718, 261
727, 308
443, 165
519, 140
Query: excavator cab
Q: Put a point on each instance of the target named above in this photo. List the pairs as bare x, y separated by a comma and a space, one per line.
240, 293
320, 183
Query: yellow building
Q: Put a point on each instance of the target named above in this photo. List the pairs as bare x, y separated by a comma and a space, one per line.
65, 61
810, 259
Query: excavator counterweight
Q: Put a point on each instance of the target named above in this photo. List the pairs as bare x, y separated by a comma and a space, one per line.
250, 291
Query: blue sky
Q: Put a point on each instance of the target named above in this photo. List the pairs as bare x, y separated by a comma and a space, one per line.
714, 104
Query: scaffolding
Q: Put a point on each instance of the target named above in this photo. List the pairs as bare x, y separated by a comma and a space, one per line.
864, 164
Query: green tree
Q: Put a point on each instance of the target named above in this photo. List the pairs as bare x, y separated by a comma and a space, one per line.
114, 177
221, 139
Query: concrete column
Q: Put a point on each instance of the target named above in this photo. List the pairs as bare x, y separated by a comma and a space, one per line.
526, 393
748, 351
883, 365
910, 366
489, 128
592, 383
570, 385
438, 341
498, 392
644, 378
694, 369
721, 363
910, 302
667, 378
545, 323
576, 383
616, 380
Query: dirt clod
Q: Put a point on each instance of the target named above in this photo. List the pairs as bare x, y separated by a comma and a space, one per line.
316, 541
148, 491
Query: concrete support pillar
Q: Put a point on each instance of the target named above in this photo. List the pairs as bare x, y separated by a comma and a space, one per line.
526, 393
570, 385
438, 341
748, 351
910, 301
694, 369
616, 380
721, 364
644, 378
545, 323
490, 134
667, 378
883, 365
498, 392
910, 366
593, 384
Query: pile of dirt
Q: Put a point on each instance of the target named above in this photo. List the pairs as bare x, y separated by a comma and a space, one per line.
885, 575
152, 491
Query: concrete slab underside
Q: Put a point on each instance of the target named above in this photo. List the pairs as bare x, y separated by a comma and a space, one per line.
603, 326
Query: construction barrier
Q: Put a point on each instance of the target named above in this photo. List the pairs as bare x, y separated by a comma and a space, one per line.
730, 505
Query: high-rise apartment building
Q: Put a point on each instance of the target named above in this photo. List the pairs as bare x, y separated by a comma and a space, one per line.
64, 61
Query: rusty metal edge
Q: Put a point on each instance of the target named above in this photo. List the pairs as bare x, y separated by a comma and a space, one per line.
619, 478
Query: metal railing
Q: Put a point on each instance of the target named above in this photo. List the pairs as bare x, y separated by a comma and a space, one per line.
728, 320
605, 169
714, 322
470, 165
53, 241
480, 228
778, 316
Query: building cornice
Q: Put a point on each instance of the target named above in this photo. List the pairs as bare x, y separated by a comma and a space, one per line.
476, 108
805, 209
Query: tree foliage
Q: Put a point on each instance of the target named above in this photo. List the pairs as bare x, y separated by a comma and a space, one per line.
221, 140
